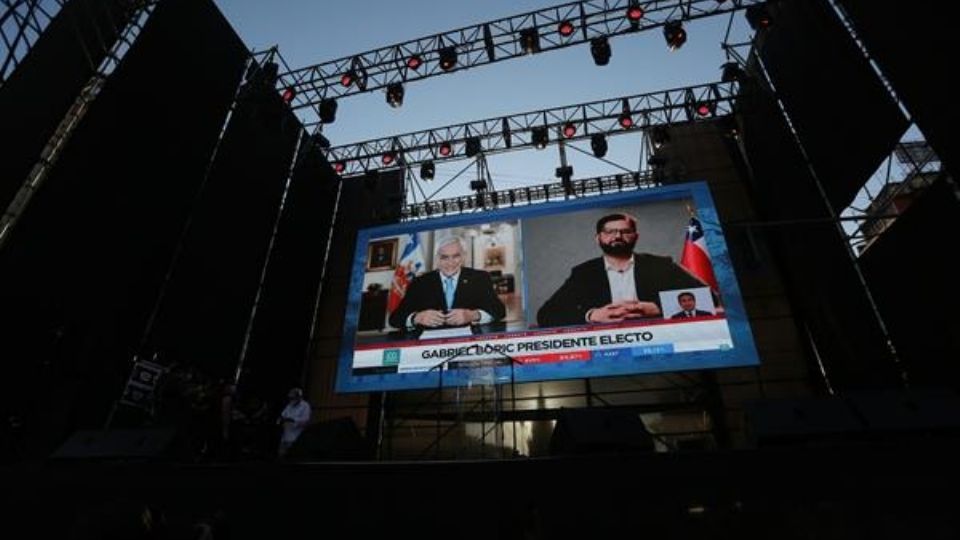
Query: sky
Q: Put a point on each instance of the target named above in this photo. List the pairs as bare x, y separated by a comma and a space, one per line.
311, 32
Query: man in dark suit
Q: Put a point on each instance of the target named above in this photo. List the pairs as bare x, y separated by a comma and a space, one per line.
452, 295
621, 285
688, 307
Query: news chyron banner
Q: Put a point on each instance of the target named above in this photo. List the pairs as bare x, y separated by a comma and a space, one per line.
608, 285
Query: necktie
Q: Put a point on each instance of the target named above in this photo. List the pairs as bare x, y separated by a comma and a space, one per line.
449, 286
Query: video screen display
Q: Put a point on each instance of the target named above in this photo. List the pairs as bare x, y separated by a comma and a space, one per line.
609, 285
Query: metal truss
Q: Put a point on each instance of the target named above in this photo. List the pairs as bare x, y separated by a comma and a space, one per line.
490, 42
524, 196
140, 12
21, 24
514, 132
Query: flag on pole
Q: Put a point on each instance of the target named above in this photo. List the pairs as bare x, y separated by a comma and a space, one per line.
411, 264
695, 257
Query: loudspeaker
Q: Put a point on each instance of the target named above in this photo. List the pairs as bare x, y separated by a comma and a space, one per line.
599, 430
337, 439
151, 443
787, 422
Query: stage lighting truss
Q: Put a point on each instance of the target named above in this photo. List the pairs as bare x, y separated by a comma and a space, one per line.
515, 132
485, 198
556, 27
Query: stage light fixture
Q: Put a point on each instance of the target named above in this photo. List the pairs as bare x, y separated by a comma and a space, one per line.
288, 94
566, 28
625, 119
348, 78
428, 170
569, 129
472, 146
634, 13
659, 136
339, 167
600, 50
266, 74
414, 62
759, 17
395, 94
540, 137
320, 140
327, 110
445, 149
598, 143
731, 72
657, 161
448, 58
529, 40
675, 35
389, 157
705, 108
478, 185
505, 131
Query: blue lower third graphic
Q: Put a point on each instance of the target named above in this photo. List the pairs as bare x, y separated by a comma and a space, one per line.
647, 350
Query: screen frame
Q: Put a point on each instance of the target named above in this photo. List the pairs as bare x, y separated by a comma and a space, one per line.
743, 353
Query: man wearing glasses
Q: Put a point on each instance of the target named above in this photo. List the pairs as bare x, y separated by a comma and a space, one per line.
619, 286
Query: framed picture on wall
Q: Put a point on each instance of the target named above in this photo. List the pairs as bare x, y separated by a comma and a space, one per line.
382, 254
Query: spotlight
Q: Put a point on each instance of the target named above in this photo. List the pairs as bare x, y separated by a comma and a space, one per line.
288, 94
529, 41
634, 14
675, 35
472, 146
731, 72
657, 161
327, 110
395, 95
505, 130
428, 170
320, 140
566, 28
758, 17
339, 167
598, 143
659, 136
600, 50
445, 149
478, 185
705, 108
414, 62
625, 119
448, 58
569, 130
540, 137
389, 157
348, 78
267, 74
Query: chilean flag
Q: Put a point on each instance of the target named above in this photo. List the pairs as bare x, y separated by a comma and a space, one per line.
695, 257
411, 264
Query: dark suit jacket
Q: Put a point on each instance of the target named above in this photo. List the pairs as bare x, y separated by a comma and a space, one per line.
474, 291
696, 313
588, 288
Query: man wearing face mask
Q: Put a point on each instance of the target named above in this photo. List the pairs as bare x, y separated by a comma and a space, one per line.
619, 286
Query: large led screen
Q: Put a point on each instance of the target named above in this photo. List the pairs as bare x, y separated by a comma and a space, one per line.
610, 285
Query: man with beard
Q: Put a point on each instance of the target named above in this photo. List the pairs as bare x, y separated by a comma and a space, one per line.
619, 286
